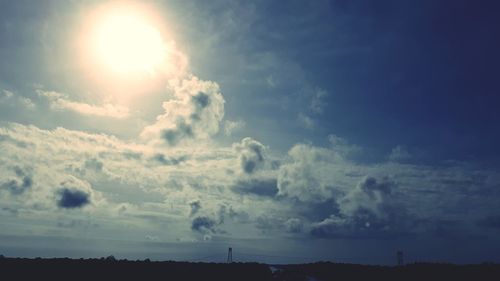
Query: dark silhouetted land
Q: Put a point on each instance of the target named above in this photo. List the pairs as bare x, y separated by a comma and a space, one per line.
110, 269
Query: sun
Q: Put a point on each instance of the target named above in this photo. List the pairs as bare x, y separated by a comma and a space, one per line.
127, 43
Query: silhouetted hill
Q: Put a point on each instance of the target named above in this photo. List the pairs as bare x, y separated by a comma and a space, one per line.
112, 269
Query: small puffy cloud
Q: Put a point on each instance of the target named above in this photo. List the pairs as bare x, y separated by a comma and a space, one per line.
61, 101
20, 184
343, 147
72, 198
74, 193
9, 97
318, 102
6, 94
399, 154
194, 112
251, 154
195, 207
15, 187
271, 81
293, 225
27, 102
259, 187
369, 195
204, 225
152, 238
307, 175
305, 121
231, 126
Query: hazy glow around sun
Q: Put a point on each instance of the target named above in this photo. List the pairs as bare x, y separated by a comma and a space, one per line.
128, 43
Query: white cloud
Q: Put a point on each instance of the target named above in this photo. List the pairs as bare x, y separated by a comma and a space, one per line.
12, 99
61, 101
306, 121
399, 154
251, 154
194, 112
231, 126
318, 102
6, 94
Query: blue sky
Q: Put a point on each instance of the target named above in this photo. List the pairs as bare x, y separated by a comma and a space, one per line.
291, 130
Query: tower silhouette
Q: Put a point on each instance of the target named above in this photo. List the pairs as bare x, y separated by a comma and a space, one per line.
399, 255
230, 255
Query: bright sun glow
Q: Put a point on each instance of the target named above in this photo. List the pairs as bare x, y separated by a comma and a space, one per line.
128, 43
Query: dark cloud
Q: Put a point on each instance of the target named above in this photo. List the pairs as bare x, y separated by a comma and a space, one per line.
201, 100
181, 131
251, 154
267, 223
293, 225
73, 198
318, 210
204, 224
368, 211
20, 185
195, 207
260, 187
369, 195
370, 185
164, 160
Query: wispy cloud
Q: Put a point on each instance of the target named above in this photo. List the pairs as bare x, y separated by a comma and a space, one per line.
231, 126
61, 101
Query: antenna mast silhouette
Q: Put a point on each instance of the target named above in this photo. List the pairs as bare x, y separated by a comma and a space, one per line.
399, 255
230, 255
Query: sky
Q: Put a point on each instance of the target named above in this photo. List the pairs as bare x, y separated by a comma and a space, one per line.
291, 131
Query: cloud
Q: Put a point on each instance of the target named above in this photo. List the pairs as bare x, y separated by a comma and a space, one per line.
271, 81
293, 225
12, 99
369, 195
259, 187
204, 225
164, 160
318, 102
74, 193
194, 112
152, 238
251, 154
6, 94
195, 207
305, 121
72, 198
343, 147
19, 185
231, 126
308, 174
368, 211
61, 101
94, 165
399, 154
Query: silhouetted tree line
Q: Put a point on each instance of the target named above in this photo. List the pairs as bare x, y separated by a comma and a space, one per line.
326, 271
112, 269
